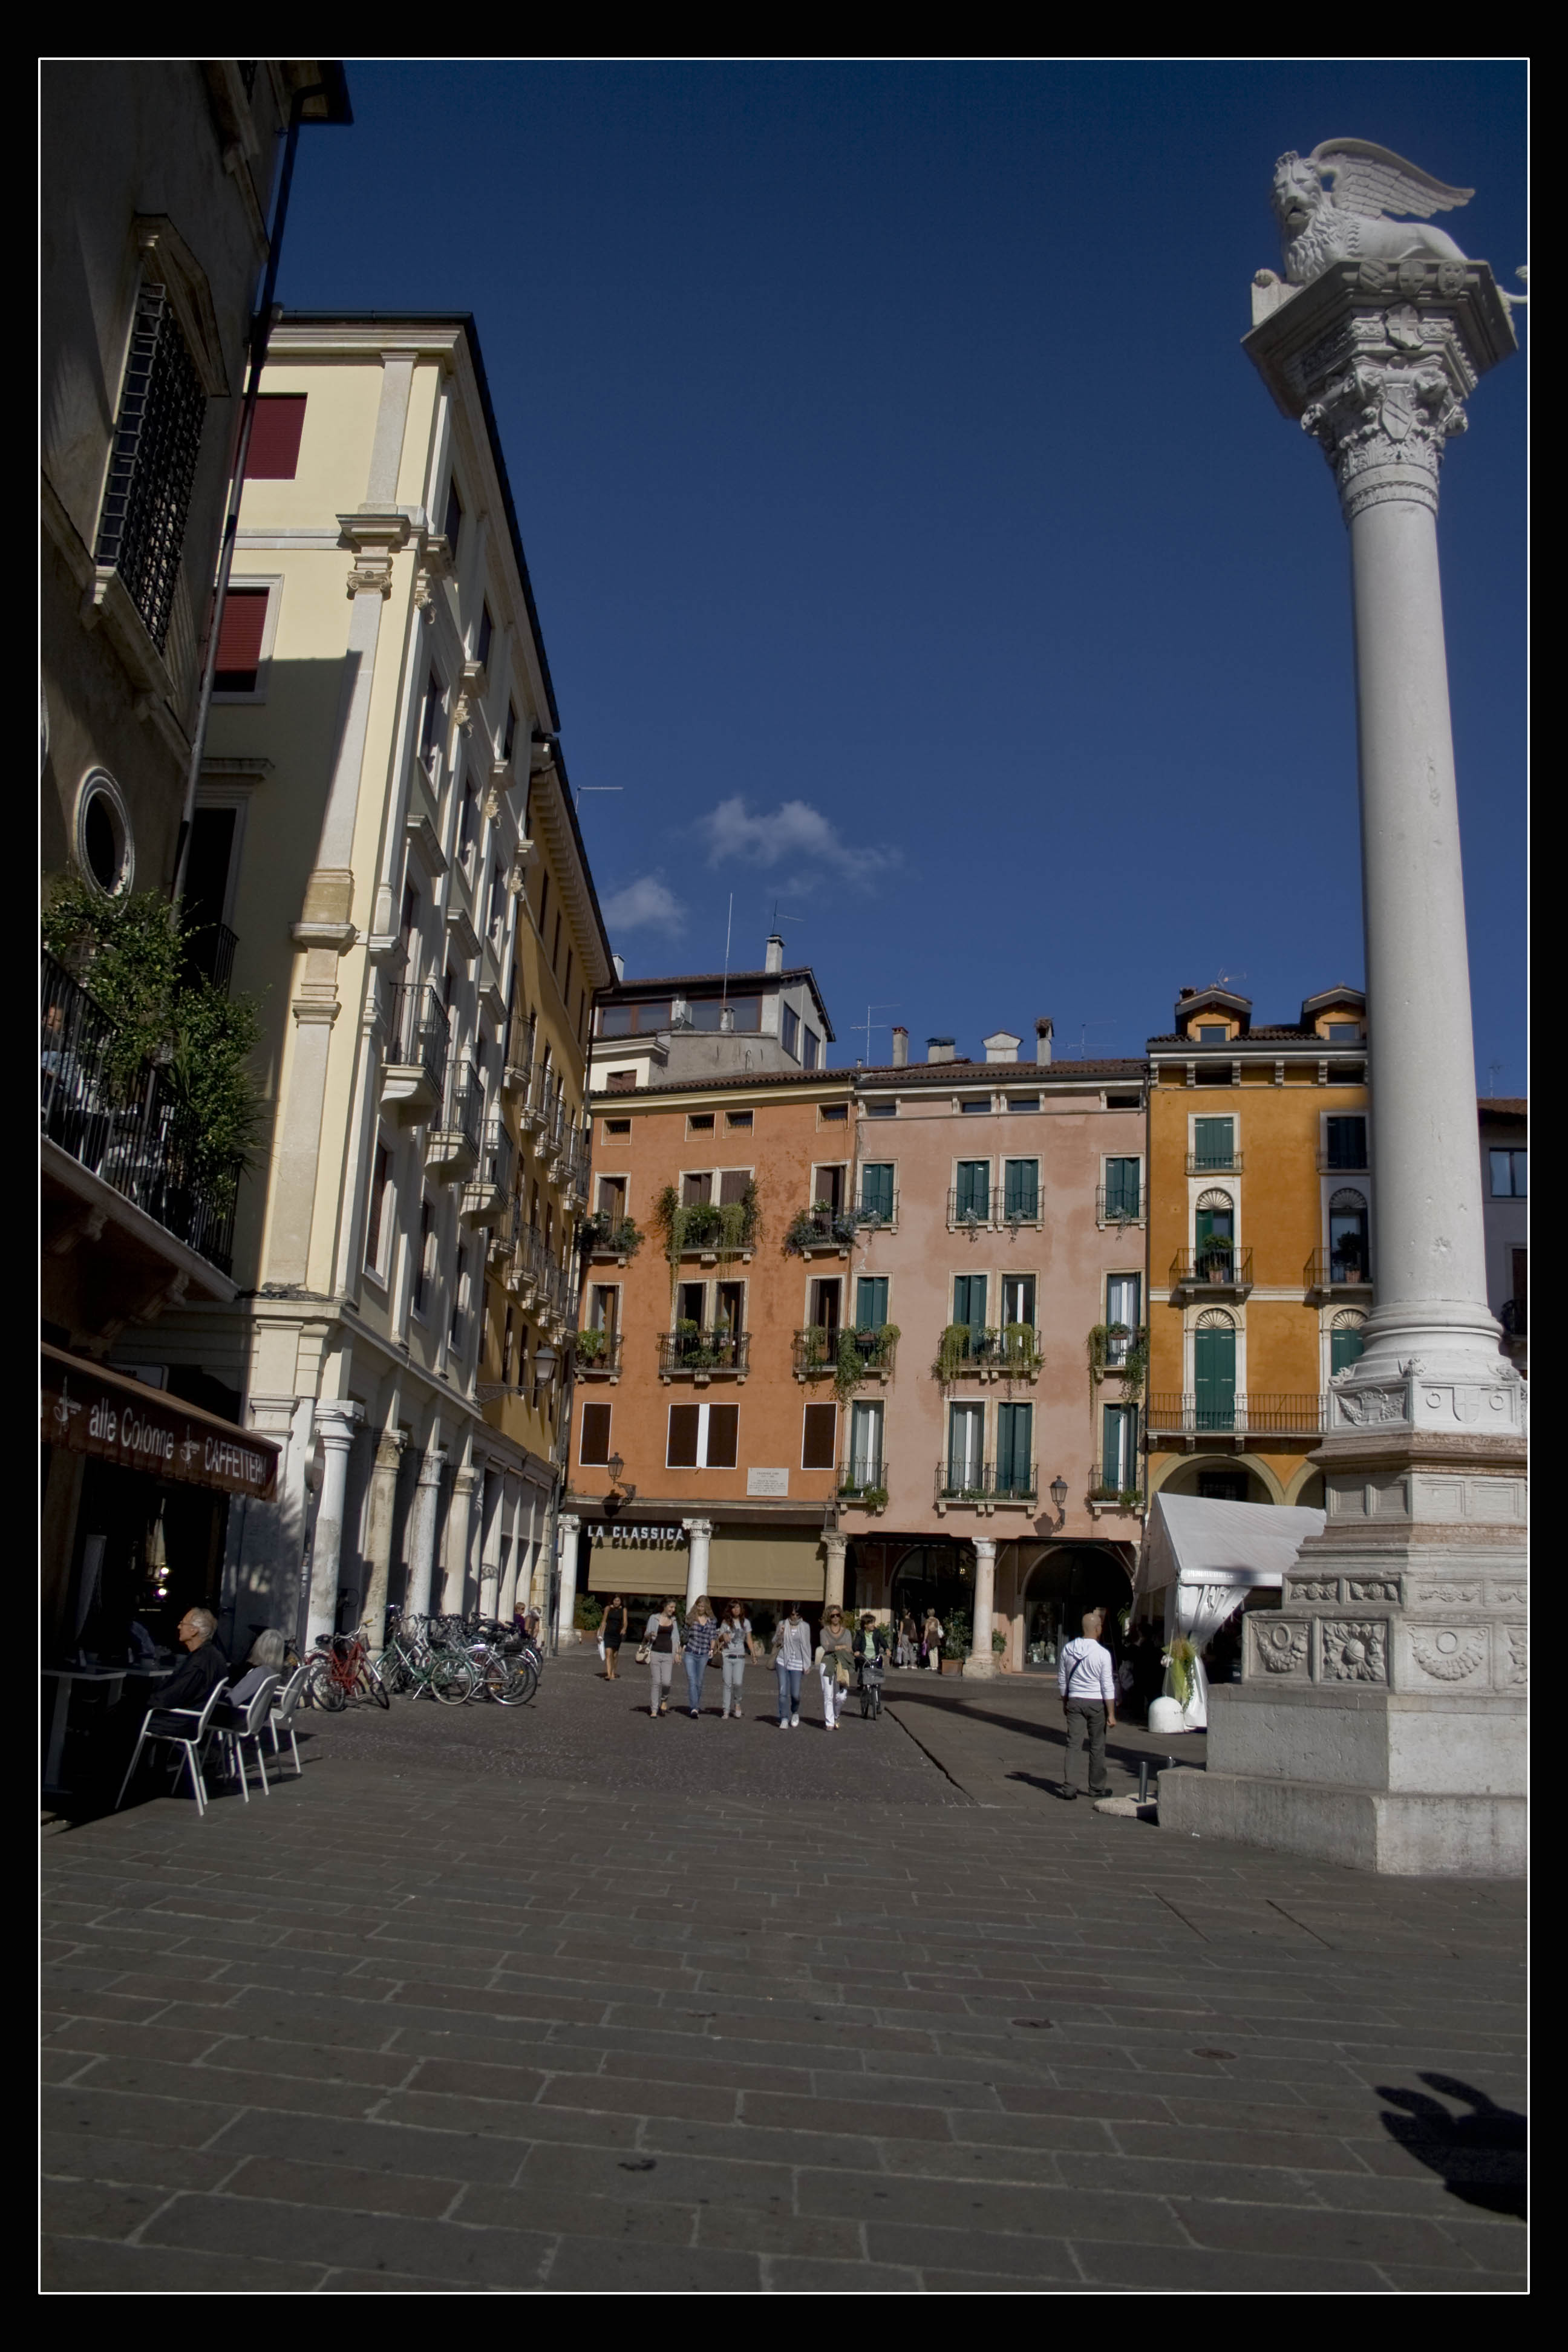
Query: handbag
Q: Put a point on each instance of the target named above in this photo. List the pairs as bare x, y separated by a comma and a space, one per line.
644, 1655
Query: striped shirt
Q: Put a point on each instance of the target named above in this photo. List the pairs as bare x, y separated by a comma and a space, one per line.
1085, 1672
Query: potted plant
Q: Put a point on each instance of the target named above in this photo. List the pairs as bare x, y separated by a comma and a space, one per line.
1214, 1257
955, 1641
953, 1351
874, 1497
591, 1346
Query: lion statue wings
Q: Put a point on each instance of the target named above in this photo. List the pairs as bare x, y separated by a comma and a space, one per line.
1334, 205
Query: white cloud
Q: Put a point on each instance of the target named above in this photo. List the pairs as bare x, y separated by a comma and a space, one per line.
646, 905
793, 830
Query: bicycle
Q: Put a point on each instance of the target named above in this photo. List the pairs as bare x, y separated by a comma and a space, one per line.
340, 1669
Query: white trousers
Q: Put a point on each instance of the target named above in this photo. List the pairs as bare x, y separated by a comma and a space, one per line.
833, 1698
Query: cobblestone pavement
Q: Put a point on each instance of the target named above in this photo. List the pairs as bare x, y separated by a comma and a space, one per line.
565, 2000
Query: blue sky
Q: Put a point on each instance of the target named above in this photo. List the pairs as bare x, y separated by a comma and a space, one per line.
915, 547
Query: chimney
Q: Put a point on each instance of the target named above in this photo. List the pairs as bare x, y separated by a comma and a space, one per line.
727, 1019
773, 957
620, 964
1185, 993
900, 1048
1002, 1047
941, 1049
1045, 1030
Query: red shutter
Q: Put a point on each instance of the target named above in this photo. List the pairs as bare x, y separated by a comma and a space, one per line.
239, 640
274, 452
596, 1440
817, 1437
681, 1453
723, 1435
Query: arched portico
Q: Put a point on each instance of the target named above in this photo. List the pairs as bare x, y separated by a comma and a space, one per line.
1179, 1474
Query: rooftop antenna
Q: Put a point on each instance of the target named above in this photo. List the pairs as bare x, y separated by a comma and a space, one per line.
729, 926
581, 789
1084, 1028
891, 1005
1494, 1072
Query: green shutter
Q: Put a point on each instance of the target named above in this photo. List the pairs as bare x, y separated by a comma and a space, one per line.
1214, 1377
876, 1189
1021, 1188
974, 1189
969, 1300
1014, 1445
870, 1302
1122, 1187
1345, 1350
1214, 1142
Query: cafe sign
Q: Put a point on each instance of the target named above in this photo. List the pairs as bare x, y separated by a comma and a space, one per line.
88, 1410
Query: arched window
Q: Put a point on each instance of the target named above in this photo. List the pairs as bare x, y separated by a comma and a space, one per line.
1215, 1218
1214, 1370
1346, 1339
1348, 1236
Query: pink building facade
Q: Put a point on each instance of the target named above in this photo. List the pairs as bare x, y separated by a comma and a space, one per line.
989, 1462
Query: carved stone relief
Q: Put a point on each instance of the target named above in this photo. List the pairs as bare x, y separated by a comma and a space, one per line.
1451, 1654
1373, 1588
1362, 1407
1509, 1596
1450, 1596
1516, 1673
1319, 1589
1352, 1653
1278, 1648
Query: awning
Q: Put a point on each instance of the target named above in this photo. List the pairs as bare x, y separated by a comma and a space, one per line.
87, 1408
1192, 1541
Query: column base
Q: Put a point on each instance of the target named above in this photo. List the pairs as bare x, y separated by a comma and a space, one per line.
982, 1669
1396, 1834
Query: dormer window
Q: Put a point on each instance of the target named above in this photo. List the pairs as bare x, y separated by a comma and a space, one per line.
1343, 1033
1212, 1033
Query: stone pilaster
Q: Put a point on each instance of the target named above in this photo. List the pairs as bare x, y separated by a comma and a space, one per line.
335, 1428
380, 1519
568, 1527
833, 1585
699, 1535
981, 1660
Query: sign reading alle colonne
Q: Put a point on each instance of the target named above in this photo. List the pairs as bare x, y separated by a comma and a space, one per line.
89, 1411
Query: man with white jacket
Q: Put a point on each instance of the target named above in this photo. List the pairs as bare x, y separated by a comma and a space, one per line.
1086, 1678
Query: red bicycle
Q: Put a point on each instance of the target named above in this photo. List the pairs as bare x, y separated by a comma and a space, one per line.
342, 1670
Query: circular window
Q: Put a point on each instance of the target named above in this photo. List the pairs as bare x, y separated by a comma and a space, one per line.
103, 843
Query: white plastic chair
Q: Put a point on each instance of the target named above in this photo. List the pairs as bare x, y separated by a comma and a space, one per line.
240, 1717
285, 1700
187, 1728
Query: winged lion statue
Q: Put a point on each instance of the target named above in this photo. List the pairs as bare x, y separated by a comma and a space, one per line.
1335, 204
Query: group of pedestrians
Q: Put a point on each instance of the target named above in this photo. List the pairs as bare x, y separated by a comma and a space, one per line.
701, 1639
918, 1641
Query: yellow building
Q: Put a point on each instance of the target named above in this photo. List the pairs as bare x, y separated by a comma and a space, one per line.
1259, 1241
384, 828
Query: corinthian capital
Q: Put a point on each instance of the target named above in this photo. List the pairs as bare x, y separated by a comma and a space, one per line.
1383, 426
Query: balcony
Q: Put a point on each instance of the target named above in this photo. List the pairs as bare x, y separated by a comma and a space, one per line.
209, 953
574, 1174
1336, 1160
599, 1355
528, 1266
123, 1124
1173, 1415
413, 1074
815, 1352
879, 1212
452, 1151
516, 1058
1213, 1163
689, 1353
822, 1231
986, 1486
863, 1482
1341, 1272
609, 1239
1215, 1270
1008, 1351
1106, 1498
712, 1230
488, 1190
1115, 1205
505, 1228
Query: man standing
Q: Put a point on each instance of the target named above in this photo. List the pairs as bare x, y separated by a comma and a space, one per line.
1087, 1681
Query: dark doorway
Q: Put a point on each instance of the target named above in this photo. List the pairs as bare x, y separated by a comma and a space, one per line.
939, 1576
1066, 1581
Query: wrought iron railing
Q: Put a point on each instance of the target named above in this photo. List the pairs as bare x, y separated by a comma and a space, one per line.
878, 1208
120, 1119
598, 1354
719, 1350
863, 1478
1215, 1266
417, 1031
976, 1482
1117, 1204
1338, 1269
1173, 1414
498, 1156
1214, 1162
1013, 1347
209, 953
1018, 1206
1338, 1160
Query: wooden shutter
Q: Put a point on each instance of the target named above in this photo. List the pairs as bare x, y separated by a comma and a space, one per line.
1021, 1194
733, 1183
819, 1437
594, 1443
1214, 1377
681, 1453
877, 1189
871, 1302
274, 452
723, 1435
1213, 1141
969, 1300
1015, 1434
695, 1191
239, 636
1345, 1350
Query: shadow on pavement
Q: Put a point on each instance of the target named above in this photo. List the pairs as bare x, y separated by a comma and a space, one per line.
1479, 2158
1053, 1735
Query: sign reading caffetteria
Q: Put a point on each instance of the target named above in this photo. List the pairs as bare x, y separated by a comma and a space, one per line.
88, 1410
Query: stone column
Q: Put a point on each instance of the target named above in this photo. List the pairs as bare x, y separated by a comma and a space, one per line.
422, 1527
1379, 1718
490, 1509
335, 1427
833, 1580
981, 1659
699, 1533
380, 1519
568, 1526
459, 1534
511, 1512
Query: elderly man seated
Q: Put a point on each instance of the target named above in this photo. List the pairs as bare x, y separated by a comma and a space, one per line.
191, 1680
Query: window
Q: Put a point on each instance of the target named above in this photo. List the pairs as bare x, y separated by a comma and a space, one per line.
882, 1110
695, 1187
566, 983
452, 527
1345, 1074
633, 1020
459, 1301
702, 1437
1123, 1102
826, 1291
430, 724
486, 632
410, 924
276, 430
1347, 1237
819, 1437
865, 1463
1344, 1141
1018, 1299
732, 1185
969, 1300
1123, 1188
1123, 1314
1021, 1191
152, 464
506, 1346
811, 1051
594, 1445
495, 919
617, 1127
730, 1308
1118, 1448
239, 640
613, 1196
789, 1032
1213, 1143
376, 1229
707, 1012
871, 1302
966, 1448
544, 902
207, 865
1215, 1219
555, 945
1214, 1372
971, 1192
835, 1114
468, 822
424, 1264
737, 1120
1214, 1033
103, 833
1215, 1073
876, 1189
604, 1308
700, 1122
1343, 1033
974, 1105
1511, 1175
509, 732
1346, 1341
622, 1082
1015, 1450
1022, 1102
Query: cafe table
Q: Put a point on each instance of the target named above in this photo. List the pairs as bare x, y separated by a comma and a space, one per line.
64, 1678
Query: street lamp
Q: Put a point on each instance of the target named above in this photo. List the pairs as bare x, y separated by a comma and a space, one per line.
545, 1363
1059, 1498
615, 1466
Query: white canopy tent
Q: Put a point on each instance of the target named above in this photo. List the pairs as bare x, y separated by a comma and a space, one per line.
1205, 1557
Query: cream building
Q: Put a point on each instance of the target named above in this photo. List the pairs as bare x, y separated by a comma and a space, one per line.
386, 827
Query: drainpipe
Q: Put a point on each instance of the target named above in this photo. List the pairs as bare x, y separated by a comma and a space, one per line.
260, 334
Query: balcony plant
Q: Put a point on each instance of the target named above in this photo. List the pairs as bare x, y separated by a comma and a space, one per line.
952, 1352
858, 1353
591, 1346
600, 1232
1022, 1346
998, 1643
1215, 1258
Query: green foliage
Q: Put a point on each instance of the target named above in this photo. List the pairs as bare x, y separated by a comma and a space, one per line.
589, 1615
860, 1352
1022, 1346
723, 1226
998, 1642
618, 1233
1181, 1658
953, 1351
957, 1634
1134, 1367
591, 1346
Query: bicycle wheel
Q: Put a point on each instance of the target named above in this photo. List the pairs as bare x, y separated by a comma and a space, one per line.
452, 1680
323, 1688
876, 1700
865, 1703
514, 1687
370, 1686
393, 1668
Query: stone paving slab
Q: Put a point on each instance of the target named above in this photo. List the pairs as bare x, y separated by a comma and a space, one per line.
739, 2011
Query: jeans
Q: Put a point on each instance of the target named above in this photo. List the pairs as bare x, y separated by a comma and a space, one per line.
1087, 1714
696, 1667
833, 1698
789, 1691
734, 1669
660, 1665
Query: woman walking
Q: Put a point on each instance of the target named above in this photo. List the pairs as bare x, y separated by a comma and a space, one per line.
701, 1631
792, 1655
834, 1651
660, 1641
614, 1632
931, 1641
908, 1651
734, 1645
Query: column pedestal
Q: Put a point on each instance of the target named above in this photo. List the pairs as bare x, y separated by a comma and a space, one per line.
982, 1659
